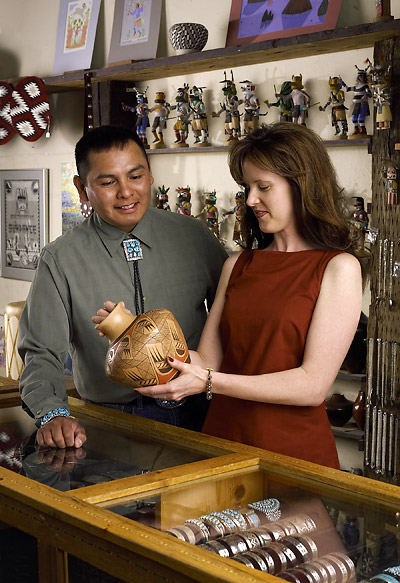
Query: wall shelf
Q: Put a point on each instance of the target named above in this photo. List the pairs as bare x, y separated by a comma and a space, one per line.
331, 41
201, 150
350, 431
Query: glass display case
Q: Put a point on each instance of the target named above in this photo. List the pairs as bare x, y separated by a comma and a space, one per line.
161, 503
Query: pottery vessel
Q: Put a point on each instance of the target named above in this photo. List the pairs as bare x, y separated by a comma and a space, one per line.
356, 358
188, 37
339, 410
359, 409
140, 345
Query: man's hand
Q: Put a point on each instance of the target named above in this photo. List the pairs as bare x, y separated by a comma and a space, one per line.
61, 432
104, 312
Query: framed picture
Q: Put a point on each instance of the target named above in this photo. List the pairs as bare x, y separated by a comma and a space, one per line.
70, 203
136, 27
23, 221
76, 31
257, 20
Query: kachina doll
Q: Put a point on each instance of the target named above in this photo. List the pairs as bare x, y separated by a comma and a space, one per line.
359, 219
199, 121
238, 210
381, 93
142, 114
161, 110
162, 198
284, 101
210, 212
391, 184
338, 111
183, 113
301, 100
360, 215
184, 206
382, 10
231, 107
362, 93
251, 107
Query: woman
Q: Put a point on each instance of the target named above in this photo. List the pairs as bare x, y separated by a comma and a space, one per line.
287, 307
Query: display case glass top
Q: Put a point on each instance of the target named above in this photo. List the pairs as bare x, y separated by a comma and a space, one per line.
109, 454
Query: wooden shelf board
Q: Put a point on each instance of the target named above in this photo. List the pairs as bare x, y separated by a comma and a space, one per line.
331, 41
189, 149
197, 150
348, 431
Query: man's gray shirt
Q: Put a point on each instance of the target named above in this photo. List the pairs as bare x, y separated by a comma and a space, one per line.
77, 272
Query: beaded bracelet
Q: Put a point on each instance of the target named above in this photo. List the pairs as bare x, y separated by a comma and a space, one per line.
394, 571
384, 577
227, 521
59, 412
236, 517
270, 507
209, 384
251, 517
201, 526
215, 522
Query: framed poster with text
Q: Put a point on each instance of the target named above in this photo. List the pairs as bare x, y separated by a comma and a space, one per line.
23, 221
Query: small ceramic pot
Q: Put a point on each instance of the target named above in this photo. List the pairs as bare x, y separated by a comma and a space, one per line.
339, 410
188, 37
359, 409
356, 358
140, 345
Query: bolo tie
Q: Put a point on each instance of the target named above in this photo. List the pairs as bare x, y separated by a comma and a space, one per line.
133, 252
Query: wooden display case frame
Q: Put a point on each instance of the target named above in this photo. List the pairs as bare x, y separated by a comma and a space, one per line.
78, 523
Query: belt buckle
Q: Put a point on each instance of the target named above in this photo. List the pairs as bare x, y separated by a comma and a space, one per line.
171, 403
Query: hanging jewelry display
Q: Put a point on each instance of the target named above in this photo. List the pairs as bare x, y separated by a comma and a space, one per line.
381, 455
372, 235
393, 372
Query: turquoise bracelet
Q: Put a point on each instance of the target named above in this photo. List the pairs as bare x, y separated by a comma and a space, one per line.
59, 412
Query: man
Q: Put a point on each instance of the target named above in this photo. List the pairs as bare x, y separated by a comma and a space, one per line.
179, 271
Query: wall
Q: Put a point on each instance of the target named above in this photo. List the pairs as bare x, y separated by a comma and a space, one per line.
31, 52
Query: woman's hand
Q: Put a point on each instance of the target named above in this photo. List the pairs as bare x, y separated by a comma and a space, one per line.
192, 380
104, 312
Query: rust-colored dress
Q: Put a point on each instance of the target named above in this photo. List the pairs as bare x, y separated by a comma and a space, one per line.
269, 303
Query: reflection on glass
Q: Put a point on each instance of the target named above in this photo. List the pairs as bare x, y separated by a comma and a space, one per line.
107, 455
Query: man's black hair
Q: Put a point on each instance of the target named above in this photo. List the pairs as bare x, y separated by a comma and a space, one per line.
102, 139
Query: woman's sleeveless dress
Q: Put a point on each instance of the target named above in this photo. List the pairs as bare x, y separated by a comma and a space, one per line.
269, 303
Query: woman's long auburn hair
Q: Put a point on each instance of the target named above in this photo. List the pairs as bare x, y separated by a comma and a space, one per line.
299, 155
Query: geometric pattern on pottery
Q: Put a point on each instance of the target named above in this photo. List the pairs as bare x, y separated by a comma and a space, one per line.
138, 358
188, 35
